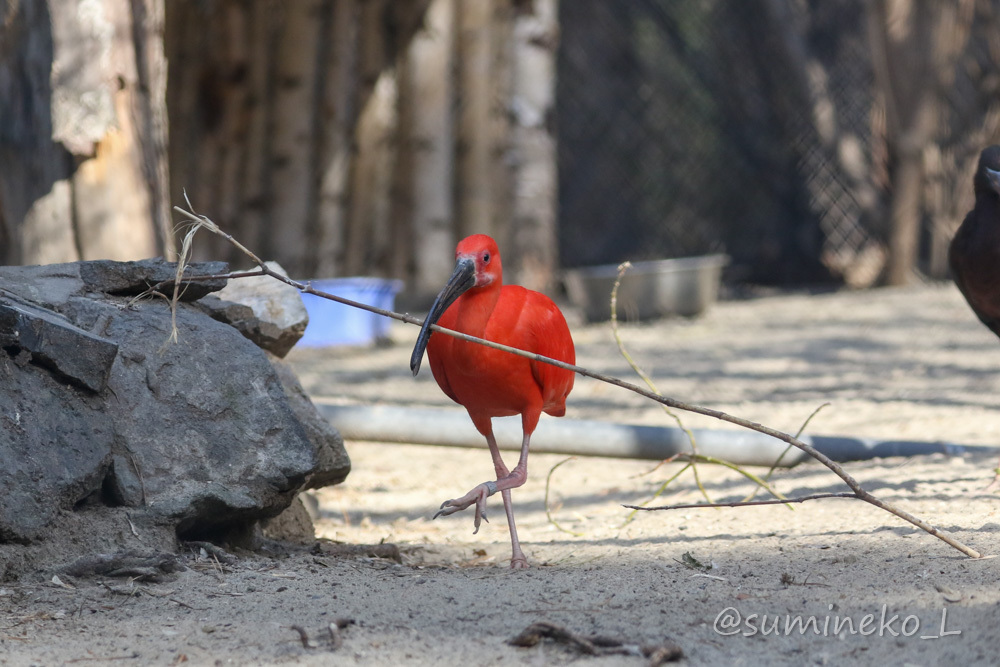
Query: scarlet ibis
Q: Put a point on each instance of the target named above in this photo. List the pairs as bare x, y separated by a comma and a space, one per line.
493, 383
974, 253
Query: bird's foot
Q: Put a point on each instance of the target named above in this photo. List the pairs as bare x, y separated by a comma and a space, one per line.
478, 497
519, 562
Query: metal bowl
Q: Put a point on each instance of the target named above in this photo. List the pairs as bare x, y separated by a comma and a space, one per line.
684, 286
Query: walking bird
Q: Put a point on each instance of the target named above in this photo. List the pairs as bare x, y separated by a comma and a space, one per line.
493, 383
974, 253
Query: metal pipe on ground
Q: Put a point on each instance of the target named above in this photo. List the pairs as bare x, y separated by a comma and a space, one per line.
452, 428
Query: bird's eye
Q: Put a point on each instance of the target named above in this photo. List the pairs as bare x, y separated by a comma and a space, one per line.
486, 258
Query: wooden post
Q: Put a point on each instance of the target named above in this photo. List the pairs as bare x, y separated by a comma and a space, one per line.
82, 131
475, 188
533, 145
426, 147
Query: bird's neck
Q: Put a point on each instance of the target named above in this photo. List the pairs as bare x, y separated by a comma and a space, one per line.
475, 308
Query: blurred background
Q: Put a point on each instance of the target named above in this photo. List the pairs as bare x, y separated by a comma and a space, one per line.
812, 141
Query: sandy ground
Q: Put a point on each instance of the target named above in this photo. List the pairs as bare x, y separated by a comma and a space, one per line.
830, 582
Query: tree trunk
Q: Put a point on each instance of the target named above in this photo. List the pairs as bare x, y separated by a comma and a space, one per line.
82, 131
427, 147
914, 49
372, 186
336, 123
474, 185
265, 103
533, 146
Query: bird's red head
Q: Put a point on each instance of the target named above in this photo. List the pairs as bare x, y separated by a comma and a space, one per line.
477, 265
485, 256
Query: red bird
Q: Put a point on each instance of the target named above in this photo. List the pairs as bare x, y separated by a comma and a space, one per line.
492, 383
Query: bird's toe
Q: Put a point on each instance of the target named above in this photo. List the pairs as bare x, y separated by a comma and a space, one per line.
475, 497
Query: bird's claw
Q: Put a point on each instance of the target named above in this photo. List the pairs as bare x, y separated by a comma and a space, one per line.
477, 496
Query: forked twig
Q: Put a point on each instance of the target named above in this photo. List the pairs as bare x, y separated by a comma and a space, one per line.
777, 462
852, 483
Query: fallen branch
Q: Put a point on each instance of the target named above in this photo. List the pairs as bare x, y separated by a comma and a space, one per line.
155, 567
598, 645
202, 221
744, 503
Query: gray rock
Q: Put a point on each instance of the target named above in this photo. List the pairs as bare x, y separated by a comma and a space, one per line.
52, 341
210, 434
133, 278
293, 525
203, 435
332, 461
55, 445
49, 285
267, 311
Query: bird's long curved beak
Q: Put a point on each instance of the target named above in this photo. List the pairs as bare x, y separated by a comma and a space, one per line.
461, 281
993, 176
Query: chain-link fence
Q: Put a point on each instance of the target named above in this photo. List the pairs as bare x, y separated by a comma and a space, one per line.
749, 127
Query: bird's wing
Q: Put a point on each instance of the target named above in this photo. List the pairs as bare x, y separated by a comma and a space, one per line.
439, 349
550, 338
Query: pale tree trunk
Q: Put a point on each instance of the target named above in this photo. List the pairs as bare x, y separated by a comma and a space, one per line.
293, 139
371, 178
372, 183
475, 150
335, 127
265, 101
82, 131
426, 147
533, 148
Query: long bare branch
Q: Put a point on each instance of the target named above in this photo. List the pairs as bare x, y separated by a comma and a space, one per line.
744, 503
852, 483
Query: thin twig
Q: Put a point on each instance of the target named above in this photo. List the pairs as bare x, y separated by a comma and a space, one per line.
691, 458
548, 514
744, 503
663, 400
622, 268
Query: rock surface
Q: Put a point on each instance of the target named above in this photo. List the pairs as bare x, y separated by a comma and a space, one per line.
267, 311
202, 436
52, 341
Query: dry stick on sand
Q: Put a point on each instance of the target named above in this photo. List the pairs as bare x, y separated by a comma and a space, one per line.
859, 493
747, 503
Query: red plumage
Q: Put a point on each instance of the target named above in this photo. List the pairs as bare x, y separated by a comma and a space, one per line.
493, 383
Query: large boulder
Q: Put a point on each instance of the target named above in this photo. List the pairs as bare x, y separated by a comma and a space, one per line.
101, 409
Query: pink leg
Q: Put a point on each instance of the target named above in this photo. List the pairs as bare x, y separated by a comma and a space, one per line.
506, 480
996, 479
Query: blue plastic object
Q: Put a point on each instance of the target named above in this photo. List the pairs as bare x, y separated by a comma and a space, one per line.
332, 323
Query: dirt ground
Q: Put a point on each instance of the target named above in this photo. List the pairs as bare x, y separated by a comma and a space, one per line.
830, 582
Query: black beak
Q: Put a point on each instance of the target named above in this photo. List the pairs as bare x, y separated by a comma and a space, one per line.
461, 281
993, 176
